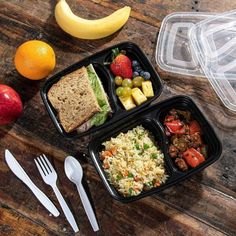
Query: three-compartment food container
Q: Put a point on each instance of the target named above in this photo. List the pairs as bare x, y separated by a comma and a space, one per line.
151, 117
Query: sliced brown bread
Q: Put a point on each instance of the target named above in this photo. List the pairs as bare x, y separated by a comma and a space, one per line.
74, 99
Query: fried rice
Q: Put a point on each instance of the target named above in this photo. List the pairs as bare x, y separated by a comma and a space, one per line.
133, 162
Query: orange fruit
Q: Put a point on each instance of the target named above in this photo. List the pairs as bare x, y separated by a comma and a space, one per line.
35, 59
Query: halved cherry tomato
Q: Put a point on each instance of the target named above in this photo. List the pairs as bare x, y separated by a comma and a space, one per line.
194, 127
176, 127
193, 157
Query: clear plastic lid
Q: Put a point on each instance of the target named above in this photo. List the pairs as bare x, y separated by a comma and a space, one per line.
214, 44
173, 50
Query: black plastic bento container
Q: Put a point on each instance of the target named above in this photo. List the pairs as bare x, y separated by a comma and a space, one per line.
98, 59
152, 119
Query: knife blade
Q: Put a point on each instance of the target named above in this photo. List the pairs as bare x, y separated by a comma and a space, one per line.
21, 174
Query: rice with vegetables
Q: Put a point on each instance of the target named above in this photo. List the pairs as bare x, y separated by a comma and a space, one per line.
133, 162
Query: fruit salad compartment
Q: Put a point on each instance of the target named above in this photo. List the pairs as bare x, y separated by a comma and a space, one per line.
100, 62
141, 70
152, 118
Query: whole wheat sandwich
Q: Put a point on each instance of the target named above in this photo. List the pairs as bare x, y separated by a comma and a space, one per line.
80, 100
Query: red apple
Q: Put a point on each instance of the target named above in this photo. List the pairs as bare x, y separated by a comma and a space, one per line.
10, 105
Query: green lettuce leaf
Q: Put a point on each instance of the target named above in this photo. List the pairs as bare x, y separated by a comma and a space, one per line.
99, 118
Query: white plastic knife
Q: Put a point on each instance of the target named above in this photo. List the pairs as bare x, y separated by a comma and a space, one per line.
20, 173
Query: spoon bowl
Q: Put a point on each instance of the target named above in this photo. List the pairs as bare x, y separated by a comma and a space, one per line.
73, 170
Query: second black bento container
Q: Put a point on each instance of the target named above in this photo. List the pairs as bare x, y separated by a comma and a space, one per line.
107, 79
152, 119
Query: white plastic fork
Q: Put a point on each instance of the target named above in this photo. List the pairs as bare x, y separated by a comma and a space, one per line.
49, 176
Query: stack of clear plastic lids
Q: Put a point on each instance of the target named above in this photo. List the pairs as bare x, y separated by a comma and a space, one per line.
201, 44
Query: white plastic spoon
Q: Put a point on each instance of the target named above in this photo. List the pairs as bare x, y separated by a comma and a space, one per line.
74, 172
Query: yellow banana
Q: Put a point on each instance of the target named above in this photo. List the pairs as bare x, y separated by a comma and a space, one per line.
89, 29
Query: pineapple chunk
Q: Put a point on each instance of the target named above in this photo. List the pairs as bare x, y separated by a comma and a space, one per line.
127, 102
138, 96
147, 89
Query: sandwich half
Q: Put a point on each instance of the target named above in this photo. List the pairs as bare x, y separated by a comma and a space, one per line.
80, 100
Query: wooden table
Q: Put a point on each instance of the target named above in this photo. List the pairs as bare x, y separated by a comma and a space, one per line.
202, 205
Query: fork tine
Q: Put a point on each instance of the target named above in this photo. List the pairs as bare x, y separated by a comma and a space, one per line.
48, 162
41, 171
43, 165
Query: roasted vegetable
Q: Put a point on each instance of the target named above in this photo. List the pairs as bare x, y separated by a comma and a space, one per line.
176, 127
194, 127
180, 162
193, 157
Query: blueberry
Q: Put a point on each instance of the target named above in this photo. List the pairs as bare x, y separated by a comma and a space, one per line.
135, 63
141, 73
135, 74
146, 75
137, 69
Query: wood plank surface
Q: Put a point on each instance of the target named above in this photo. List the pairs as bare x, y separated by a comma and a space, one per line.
205, 204
13, 223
